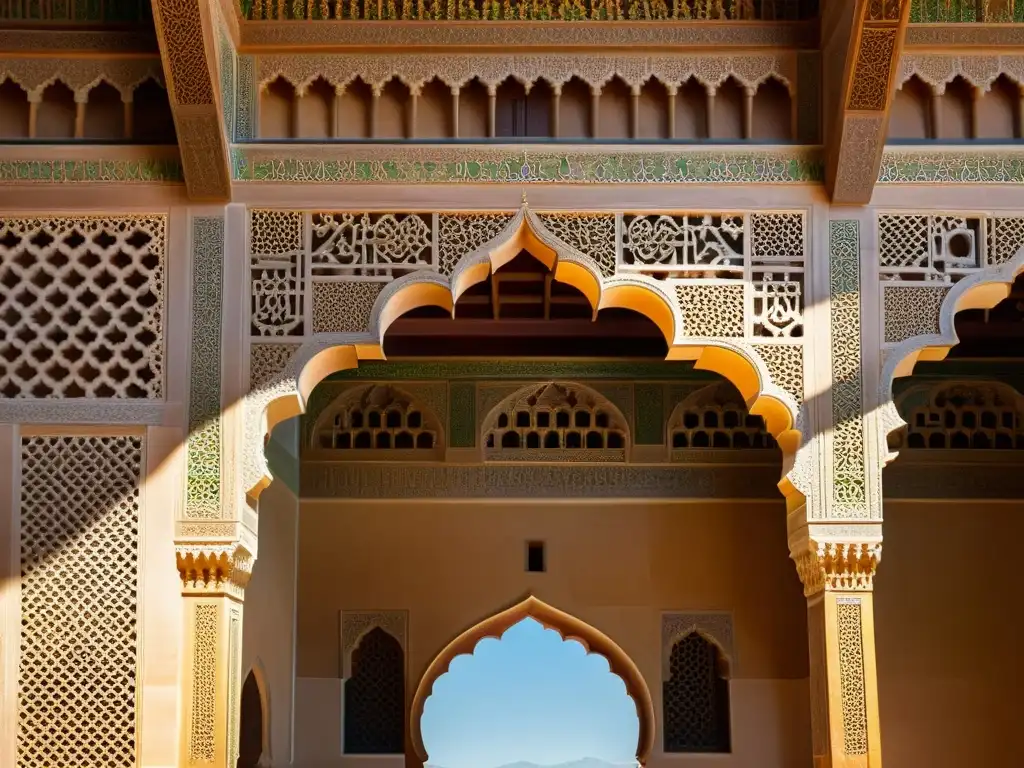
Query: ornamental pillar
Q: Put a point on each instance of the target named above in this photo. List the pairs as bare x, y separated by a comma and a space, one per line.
837, 579
835, 532
215, 535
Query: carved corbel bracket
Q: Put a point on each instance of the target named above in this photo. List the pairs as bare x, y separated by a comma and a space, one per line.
845, 566
214, 568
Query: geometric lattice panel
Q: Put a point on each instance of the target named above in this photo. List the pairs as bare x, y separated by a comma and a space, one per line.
695, 698
81, 307
79, 577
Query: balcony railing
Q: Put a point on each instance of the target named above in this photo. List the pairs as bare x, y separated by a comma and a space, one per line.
966, 11
530, 10
77, 11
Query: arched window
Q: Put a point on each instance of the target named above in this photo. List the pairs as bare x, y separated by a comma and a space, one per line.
715, 417
695, 698
375, 697
542, 422
962, 415
250, 731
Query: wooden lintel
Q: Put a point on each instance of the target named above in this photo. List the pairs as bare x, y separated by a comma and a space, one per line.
867, 42
188, 48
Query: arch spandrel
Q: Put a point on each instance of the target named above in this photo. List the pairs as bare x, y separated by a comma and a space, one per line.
983, 290
569, 628
285, 396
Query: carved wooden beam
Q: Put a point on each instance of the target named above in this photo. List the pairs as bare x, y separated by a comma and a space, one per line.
185, 30
864, 38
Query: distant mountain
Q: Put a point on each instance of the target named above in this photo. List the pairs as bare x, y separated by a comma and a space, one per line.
586, 762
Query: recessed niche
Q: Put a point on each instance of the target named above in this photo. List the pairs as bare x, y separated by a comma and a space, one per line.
615, 107
393, 111
773, 112
354, 105
276, 104
14, 111
316, 107
56, 116
434, 111
574, 110
104, 113
909, 117
692, 110
956, 104
653, 111
152, 120
729, 99
997, 110
473, 101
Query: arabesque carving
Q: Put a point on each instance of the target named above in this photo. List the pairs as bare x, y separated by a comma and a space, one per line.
214, 569
938, 70
838, 566
81, 75
378, 418
492, 69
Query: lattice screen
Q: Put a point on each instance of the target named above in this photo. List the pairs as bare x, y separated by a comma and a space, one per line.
79, 577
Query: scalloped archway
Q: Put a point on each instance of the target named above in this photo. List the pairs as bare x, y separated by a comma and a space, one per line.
285, 395
570, 628
983, 290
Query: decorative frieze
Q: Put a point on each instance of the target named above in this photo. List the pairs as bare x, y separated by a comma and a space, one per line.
492, 69
214, 569
1004, 165
58, 171
497, 165
81, 75
938, 70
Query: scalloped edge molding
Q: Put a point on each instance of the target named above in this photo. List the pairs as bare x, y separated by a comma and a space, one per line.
286, 394
979, 291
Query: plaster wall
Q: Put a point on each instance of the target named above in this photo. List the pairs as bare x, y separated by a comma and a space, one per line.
615, 565
948, 635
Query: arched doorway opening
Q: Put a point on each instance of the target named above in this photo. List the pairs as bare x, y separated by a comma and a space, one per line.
252, 730
535, 685
955, 486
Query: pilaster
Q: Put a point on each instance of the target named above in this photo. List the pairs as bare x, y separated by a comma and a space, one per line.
215, 536
10, 608
835, 538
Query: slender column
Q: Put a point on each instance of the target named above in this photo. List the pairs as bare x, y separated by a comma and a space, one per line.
293, 115
748, 112
937, 112
1019, 127
837, 579
634, 115
129, 119
976, 94
336, 112
455, 112
414, 103
80, 115
595, 111
492, 108
556, 111
710, 110
673, 93
33, 114
375, 113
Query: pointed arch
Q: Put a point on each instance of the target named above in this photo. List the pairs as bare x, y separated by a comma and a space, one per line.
285, 396
983, 290
256, 689
570, 628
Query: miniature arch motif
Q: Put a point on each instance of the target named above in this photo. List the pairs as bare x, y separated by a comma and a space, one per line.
284, 395
555, 421
982, 290
570, 628
962, 415
355, 625
715, 416
375, 417
715, 627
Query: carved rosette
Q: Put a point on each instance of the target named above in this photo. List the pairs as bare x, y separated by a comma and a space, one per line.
837, 566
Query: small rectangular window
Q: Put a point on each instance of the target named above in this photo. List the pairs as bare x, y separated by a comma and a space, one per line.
535, 556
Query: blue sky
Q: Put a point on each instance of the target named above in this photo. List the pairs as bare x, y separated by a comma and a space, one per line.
529, 697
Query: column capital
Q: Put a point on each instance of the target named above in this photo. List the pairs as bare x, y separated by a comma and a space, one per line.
214, 569
836, 566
